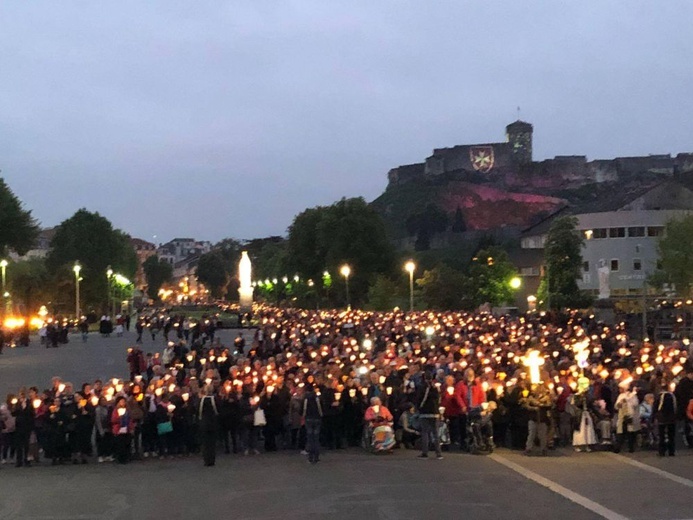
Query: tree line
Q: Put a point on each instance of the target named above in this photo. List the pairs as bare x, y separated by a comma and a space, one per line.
304, 269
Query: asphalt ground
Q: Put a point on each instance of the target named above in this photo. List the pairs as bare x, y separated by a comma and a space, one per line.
349, 484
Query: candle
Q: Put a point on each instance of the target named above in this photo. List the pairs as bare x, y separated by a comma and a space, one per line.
61, 388
389, 390
37, 403
171, 387
171, 407
451, 390
186, 396
337, 396
352, 392
382, 380
121, 411
376, 409
364, 391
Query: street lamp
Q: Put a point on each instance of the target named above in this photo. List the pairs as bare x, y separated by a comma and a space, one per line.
3, 265
345, 271
77, 268
410, 267
515, 282
111, 300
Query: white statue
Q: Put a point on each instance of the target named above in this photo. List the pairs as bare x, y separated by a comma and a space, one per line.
245, 291
604, 274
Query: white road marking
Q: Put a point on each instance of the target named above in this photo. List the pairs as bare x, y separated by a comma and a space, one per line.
675, 478
581, 500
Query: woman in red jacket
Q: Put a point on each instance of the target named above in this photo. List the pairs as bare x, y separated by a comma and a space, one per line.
122, 426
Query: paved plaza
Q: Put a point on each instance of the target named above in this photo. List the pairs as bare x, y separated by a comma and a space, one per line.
346, 484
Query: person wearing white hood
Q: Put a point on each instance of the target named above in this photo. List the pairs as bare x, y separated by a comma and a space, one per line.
168, 354
628, 422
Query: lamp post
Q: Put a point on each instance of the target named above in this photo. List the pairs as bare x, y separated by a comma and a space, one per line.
77, 268
345, 271
410, 267
109, 276
3, 265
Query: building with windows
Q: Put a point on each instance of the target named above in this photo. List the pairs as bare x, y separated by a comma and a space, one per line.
621, 235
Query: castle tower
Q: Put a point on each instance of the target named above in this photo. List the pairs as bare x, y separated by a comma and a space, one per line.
519, 135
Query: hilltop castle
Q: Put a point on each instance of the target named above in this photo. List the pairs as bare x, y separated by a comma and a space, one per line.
510, 165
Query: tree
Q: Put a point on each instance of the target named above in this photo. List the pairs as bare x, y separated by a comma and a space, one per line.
444, 288
426, 223
490, 274
91, 240
676, 255
458, 223
563, 256
18, 229
157, 271
212, 272
29, 285
385, 294
347, 232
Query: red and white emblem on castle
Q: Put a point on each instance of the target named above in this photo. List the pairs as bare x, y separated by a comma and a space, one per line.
482, 158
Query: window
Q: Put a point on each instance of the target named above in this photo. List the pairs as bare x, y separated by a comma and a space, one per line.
655, 231
617, 232
586, 267
637, 264
599, 233
614, 264
637, 248
636, 231
588, 234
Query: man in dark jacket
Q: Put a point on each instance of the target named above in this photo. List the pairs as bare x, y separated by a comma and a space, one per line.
209, 424
666, 413
312, 414
427, 401
23, 414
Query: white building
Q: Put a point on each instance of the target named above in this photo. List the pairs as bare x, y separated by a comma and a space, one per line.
621, 236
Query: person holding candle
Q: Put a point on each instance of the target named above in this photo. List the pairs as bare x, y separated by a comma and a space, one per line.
208, 416
104, 433
380, 433
538, 403
122, 428
454, 409
56, 426
84, 426
628, 421
23, 413
312, 415
667, 410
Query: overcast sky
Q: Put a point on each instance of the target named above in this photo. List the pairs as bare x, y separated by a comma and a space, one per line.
217, 119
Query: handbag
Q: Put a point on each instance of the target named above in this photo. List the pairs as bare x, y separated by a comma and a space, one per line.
259, 418
164, 428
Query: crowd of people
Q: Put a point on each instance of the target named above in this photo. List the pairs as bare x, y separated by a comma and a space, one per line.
333, 379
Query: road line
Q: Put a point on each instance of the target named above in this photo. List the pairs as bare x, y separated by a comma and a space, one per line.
675, 478
557, 488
